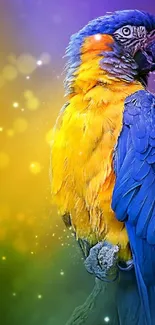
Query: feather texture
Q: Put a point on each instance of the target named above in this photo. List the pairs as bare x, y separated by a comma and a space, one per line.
134, 200
138, 166
83, 148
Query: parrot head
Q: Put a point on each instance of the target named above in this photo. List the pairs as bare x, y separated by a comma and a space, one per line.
125, 41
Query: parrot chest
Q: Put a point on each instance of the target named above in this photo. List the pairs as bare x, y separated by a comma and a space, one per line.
82, 161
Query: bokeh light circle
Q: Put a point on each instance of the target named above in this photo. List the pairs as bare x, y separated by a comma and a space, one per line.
26, 64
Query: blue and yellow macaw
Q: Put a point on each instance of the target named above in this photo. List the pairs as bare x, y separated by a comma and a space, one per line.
103, 152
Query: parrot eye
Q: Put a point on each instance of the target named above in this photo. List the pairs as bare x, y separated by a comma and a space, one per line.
131, 37
126, 31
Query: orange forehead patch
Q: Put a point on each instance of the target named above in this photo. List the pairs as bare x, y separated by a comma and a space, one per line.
97, 43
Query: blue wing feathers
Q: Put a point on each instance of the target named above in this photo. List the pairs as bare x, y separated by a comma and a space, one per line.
144, 155
139, 200
120, 209
151, 229
134, 209
152, 142
151, 159
133, 198
152, 133
140, 170
140, 145
145, 216
140, 128
135, 173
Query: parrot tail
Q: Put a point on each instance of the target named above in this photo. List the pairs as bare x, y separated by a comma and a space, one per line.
145, 273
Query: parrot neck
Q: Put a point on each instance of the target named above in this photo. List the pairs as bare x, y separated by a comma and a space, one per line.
102, 71
104, 67
122, 66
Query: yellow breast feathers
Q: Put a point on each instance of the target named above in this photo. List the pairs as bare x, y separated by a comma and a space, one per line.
82, 152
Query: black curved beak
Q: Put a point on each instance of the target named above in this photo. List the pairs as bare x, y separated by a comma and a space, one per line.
150, 54
145, 57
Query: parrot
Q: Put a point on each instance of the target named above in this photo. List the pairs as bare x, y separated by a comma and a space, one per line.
103, 156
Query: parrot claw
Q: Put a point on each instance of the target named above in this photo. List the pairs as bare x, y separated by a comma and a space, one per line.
102, 261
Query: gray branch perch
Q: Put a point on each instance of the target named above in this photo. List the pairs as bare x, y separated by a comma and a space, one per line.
81, 313
101, 262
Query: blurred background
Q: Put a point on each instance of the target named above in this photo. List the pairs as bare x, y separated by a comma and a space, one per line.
42, 277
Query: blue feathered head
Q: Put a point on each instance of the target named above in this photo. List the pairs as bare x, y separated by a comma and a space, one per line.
109, 24
133, 32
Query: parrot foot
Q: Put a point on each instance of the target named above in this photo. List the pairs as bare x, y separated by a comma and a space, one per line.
102, 261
